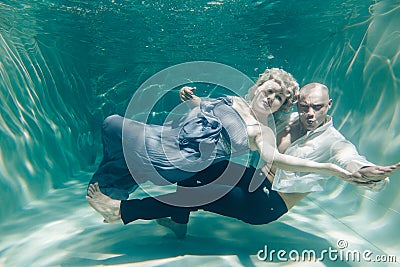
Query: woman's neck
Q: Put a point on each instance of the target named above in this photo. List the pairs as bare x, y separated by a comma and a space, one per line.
245, 111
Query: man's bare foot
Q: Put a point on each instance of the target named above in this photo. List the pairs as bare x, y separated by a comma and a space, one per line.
109, 208
179, 229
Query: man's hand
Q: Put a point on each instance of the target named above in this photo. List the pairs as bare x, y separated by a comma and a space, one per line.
186, 94
372, 174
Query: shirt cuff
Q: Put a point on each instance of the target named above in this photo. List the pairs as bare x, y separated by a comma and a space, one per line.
379, 186
355, 165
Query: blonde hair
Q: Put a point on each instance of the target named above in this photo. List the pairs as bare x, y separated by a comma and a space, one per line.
287, 82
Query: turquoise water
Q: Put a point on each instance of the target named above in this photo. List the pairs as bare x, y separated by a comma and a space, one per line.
65, 65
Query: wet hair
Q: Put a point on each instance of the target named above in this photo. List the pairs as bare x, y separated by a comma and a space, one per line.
287, 82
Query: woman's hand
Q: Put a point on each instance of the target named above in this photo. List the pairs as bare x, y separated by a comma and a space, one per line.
186, 95
375, 173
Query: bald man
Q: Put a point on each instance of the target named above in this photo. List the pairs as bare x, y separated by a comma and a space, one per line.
311, 134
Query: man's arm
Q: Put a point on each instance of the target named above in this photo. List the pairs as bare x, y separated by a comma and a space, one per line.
364, 172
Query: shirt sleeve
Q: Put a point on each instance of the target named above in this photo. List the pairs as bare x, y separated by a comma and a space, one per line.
345, 154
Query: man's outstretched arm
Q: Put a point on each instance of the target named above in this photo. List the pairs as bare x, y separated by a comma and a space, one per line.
364, 173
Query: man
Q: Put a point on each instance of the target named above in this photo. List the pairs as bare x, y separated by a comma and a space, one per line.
310, 135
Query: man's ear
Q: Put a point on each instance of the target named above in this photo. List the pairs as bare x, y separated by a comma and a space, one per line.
330, 103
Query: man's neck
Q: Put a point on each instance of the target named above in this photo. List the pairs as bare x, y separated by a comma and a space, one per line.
292, 133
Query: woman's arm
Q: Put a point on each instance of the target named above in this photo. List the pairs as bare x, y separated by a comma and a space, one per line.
268, 151
291, 163
186, 94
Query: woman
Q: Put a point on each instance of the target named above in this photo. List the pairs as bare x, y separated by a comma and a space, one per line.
212, 131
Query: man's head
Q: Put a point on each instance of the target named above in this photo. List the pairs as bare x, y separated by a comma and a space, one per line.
313, 105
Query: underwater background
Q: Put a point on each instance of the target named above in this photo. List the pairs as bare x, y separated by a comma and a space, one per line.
66, 65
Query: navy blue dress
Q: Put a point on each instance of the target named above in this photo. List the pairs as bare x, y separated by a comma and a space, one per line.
135, 152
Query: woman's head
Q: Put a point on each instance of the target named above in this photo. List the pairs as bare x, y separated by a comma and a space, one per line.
287, 86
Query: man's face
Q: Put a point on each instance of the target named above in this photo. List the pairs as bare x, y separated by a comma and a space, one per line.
313, 106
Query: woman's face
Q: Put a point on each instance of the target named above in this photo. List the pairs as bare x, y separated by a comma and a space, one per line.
268, 98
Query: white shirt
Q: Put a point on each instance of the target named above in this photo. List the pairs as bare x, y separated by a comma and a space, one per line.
324, 144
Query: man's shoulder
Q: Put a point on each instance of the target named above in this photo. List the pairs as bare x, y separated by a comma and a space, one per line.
331, 130
330, 137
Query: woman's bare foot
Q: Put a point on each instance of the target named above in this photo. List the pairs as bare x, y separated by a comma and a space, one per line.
106, 206
179, 229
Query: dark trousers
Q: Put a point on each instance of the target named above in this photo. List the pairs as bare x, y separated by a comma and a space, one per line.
258, 207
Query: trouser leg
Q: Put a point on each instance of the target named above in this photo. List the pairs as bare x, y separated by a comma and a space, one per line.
240, 204
151, 208
203, 177
258, 207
